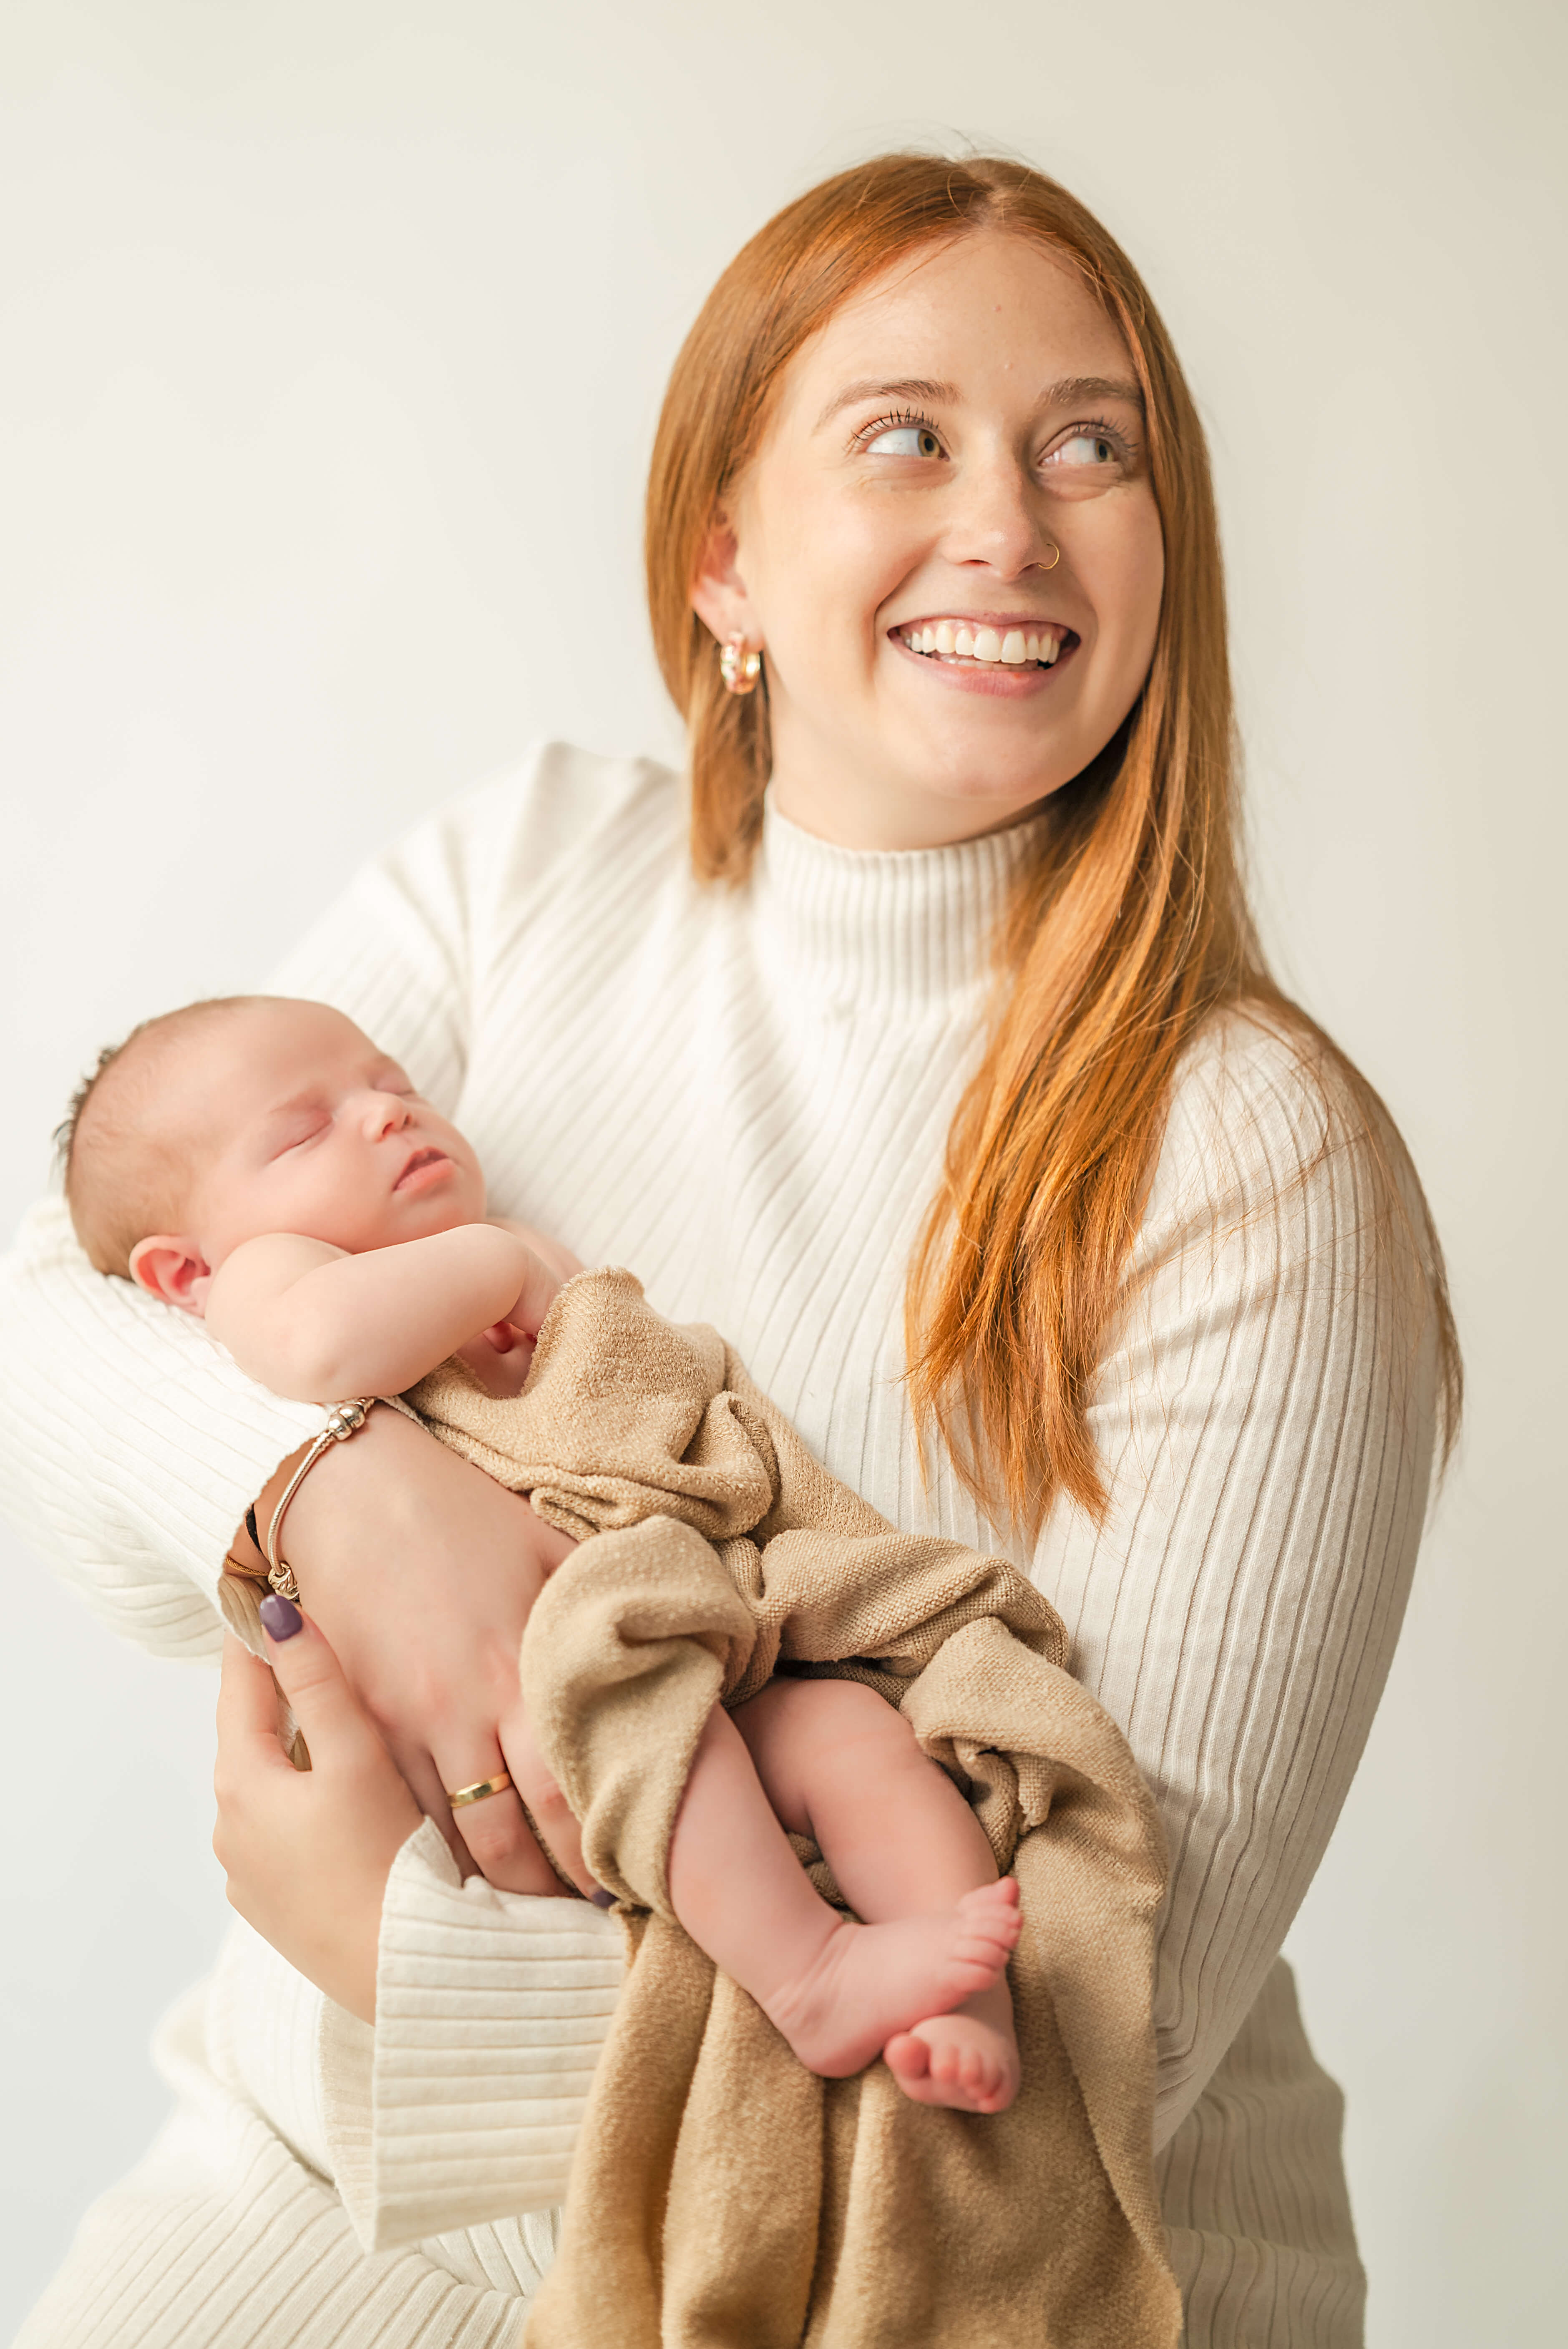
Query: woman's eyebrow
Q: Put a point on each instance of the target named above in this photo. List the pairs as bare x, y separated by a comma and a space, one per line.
1074, 389
1069, 392
874, 387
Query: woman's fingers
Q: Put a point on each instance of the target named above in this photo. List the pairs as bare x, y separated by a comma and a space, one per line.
546, 1803
493, 1828
311, 1677
248, 1709
307, 1853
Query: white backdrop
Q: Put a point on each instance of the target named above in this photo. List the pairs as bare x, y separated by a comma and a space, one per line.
331, 340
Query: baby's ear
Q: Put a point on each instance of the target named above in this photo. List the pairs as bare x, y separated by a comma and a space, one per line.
172, 1269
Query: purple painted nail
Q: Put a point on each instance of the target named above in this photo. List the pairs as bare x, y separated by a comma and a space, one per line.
603, 1899
280, 1616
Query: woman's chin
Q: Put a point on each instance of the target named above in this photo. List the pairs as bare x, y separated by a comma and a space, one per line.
972, 796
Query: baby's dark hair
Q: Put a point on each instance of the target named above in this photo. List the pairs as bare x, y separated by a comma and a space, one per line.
123, 1179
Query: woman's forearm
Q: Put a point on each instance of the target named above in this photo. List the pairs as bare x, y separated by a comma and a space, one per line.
421, 1571
130, 1443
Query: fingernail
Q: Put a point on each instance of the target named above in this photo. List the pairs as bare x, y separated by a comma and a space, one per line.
603, 1899
280, 1616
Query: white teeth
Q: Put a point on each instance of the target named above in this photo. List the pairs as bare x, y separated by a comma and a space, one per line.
957, 638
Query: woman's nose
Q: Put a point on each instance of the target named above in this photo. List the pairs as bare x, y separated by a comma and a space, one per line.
1000, 521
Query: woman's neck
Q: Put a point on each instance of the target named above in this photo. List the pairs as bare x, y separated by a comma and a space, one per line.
870, 820
860, 804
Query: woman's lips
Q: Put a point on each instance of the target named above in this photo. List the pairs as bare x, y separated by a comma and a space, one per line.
424, 1170
997, 678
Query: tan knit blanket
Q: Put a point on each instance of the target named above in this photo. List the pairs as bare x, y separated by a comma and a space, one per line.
722, 2197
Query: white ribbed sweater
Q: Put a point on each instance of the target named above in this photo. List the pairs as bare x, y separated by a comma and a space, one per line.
744, 1097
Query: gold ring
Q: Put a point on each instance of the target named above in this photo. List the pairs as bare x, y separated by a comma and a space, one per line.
481, 1790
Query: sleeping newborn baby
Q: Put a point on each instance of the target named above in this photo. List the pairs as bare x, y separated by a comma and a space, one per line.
258, 1162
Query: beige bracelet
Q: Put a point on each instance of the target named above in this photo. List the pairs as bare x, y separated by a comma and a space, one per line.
345, 1419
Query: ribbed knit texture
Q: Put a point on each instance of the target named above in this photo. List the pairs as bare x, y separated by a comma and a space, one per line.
744, 1096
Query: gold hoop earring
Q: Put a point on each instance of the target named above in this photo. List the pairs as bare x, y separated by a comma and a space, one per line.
1055, 555
738, 665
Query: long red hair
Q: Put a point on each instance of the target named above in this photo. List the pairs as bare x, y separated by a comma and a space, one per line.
1128, 931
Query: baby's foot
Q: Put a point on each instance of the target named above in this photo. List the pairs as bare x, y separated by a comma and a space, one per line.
870, 1982
967, 2059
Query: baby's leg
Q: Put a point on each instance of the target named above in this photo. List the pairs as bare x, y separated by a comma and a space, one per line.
838, 1990
840, 1765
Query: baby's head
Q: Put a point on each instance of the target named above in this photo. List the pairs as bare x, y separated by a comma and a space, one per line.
250, 1114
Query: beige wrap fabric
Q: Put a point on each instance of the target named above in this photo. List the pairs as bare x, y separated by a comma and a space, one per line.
722, 2197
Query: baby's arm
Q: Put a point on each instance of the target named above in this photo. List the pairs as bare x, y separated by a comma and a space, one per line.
309, 1320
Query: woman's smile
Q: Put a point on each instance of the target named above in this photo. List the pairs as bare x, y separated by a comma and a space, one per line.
991, 652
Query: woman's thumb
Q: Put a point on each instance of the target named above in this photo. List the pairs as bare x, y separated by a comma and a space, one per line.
309, 1676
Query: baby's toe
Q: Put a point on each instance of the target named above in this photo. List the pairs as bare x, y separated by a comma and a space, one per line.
907, 2057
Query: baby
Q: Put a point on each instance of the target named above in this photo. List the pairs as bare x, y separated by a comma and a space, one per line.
258, 1162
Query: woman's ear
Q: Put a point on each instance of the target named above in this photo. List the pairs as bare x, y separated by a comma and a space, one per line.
719, 595
174, 1270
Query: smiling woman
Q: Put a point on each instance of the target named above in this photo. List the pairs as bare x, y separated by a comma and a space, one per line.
884, 506
936, 401
921, 1041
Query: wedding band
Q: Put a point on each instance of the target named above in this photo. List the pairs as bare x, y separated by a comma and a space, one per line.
479, 1790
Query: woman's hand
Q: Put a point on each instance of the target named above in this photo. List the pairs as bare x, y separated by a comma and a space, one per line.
420, 1571
307, 1852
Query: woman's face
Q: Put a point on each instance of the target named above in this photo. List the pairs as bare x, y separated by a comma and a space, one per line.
934, 666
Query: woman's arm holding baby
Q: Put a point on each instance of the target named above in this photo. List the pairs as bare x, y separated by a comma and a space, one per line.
309, 1320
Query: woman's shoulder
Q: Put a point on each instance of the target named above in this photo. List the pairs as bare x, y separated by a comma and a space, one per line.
1267, 1117
520, 825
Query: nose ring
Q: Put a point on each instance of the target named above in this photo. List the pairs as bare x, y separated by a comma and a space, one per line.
1055, 555
738, 667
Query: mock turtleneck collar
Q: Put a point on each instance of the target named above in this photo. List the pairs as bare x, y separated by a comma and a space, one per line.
884, 927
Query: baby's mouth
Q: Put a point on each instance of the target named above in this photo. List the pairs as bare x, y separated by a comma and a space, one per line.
421, 1158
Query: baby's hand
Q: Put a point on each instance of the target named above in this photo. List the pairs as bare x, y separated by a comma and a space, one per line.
539, 1289
502, 1355
499, 1358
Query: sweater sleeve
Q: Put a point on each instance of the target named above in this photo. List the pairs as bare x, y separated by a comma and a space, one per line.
490, 2009
1265, 1417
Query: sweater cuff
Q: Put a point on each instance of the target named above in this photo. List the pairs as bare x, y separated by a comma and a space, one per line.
463, 2105
131, 1434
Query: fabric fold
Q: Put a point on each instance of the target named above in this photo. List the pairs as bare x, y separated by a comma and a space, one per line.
720, 2193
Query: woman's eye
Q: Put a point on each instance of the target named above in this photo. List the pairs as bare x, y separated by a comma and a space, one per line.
905, 441
1087, 450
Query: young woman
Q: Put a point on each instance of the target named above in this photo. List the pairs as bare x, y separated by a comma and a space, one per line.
920, 1042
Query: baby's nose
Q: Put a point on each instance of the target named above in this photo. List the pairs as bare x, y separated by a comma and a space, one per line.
385, 1113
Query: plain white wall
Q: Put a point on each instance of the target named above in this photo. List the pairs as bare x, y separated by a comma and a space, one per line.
331, 341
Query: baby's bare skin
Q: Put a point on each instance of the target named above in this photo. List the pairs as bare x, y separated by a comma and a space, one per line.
336, 1240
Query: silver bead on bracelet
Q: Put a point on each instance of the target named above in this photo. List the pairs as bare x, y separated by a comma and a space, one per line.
344, 1420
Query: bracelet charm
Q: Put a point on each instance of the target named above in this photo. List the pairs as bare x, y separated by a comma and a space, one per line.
344, 1420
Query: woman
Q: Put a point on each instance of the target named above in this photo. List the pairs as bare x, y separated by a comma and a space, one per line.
947, 1080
